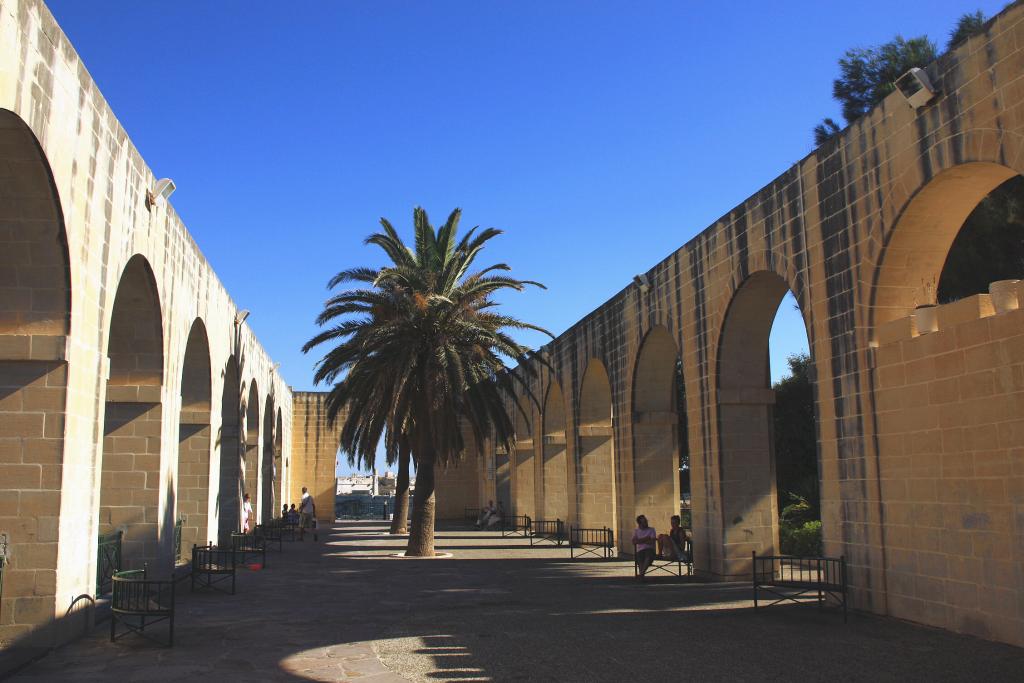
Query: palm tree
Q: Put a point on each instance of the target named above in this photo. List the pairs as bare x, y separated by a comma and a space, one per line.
418, 354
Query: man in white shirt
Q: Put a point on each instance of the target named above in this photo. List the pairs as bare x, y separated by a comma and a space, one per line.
307, 514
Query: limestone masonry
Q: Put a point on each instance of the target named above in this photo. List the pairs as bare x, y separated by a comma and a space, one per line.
134, 396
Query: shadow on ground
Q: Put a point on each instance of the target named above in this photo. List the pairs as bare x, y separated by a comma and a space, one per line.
502, 611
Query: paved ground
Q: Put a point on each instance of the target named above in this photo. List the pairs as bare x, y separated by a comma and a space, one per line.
498, 610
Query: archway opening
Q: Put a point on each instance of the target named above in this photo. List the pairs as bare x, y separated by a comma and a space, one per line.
279, 464
656, 438
960, 232
554, 485
503, 478
267, 500
749, 465
193, 479
596, 465
229, 498
251, 451
130, 479
524, 482
795, 438
35, 308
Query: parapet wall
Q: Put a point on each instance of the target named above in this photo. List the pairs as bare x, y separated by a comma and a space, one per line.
950, 436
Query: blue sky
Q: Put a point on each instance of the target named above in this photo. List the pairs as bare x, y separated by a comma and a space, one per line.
600, 136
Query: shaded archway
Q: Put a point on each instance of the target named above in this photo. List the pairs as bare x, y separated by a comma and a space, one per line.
130, 482
35, 310
554, 486
747, 467
596, 467
656, 429
912, 261
523, 479
193, 478
268, 502
251, 451
229, 497
503, 478
279, 464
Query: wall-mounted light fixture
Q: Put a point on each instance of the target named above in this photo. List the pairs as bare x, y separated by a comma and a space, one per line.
274, 367
916, 87
241, 316
165, 187
643, 282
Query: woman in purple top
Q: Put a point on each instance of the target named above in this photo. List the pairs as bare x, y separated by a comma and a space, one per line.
644, 539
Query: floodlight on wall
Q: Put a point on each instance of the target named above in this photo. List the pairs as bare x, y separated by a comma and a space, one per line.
643, 282
241, 316
165, 187
916, 87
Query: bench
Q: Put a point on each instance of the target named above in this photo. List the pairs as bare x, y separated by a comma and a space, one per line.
788, 578
249, 544
667, 565
135, 598
547, 531
516, 525
471, 514
215, 564
272, 532
585, 542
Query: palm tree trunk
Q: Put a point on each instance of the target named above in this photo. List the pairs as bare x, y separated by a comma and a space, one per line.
421, 533
399, 521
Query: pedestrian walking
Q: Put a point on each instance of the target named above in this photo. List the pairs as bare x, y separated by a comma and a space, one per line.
307, 514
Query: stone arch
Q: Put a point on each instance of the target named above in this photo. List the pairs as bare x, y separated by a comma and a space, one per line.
554, 466
35, 318
279, 464
656, 428
596, 481
911, 261
193, 477
251, 450
229, 497
523, 479
746, 472
268, 467
132, 424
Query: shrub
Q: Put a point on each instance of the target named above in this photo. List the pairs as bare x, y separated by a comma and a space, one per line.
802, 540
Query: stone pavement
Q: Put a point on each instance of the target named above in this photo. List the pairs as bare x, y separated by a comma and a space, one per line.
344, 609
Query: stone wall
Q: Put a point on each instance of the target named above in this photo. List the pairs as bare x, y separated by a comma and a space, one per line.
114, 335
314, 453
951, 434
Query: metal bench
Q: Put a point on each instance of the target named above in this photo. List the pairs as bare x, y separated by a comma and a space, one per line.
516, 525
249, 544
214, 564
667, 565
598, 543
471, 514
135, 598
547, 531
788, 578
272, 532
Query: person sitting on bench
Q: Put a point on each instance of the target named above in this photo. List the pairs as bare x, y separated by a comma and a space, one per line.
644, 539
671, 546
485, 515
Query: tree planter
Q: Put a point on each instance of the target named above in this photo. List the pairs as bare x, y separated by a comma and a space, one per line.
1004, 295
927, 318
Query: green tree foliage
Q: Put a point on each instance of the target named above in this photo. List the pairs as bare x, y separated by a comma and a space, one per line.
416, 350
825, 131
796, 449
989, 246
867, 75
966, 26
